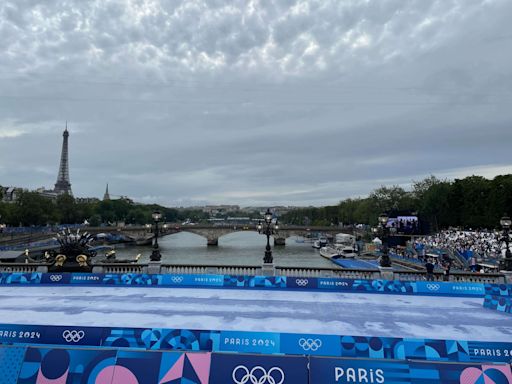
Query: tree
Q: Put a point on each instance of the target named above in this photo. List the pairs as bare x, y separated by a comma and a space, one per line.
34, 209
66, 208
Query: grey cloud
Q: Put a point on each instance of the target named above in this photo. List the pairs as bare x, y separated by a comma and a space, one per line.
297, 102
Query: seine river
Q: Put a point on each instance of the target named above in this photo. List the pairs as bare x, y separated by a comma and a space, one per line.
239, 248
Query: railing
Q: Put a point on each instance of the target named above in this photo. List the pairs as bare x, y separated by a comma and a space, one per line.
416, 276
466, 277
121, 268
326, 272
477, 277
252, 270
211, 269
22, 267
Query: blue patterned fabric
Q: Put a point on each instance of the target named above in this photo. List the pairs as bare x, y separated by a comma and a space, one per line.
259, 342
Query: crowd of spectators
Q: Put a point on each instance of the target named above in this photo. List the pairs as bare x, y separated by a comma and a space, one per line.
474, 246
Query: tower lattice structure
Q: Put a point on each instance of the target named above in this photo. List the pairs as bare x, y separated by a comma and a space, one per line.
63, 185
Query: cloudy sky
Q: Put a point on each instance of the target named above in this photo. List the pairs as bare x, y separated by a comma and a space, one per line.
255, 102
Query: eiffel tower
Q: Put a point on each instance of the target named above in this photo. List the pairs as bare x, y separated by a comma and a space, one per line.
63, 185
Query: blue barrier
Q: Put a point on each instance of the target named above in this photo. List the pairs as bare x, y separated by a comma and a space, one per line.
24, 365
499, 303
254, 282
335, 371
258, 342
498, 297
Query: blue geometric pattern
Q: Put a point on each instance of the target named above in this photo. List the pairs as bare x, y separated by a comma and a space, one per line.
20, 278
89, 366
261, 282
326, 371
498, 297
11, 359
259, 342
498, 303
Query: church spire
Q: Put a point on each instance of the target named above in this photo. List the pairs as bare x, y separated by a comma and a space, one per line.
106, 196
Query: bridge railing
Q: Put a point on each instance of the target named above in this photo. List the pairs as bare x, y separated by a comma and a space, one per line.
23, 267
327, 272
254, 270
121, 268
248, 270
468, 277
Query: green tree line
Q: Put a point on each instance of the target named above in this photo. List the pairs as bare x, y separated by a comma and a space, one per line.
471, 202
33, 209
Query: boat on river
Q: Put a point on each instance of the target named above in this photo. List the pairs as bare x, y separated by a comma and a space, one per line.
321, 242
338, 252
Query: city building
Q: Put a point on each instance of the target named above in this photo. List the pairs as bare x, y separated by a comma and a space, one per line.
10, 194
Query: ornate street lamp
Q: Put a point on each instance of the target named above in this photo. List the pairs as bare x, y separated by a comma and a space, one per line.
505, 225
155, 254
268, 229
385, 261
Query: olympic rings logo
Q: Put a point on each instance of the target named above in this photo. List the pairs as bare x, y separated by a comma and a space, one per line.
55, 278
73, 336
177, 279
257, 375
310, 344
302, 282
433, 287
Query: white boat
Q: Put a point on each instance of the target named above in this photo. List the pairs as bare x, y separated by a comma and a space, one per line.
338, 252
321, 242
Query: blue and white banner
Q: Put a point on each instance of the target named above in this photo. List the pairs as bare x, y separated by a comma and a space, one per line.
259, 342
246, 369
252, 342
450, 289
27, 365
345, 371
260, 282
193, 280
498, 303
304, 344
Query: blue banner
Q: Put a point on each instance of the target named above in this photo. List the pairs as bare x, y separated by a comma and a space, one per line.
246, 369
22, 365
259, 342
11, 360
193, 280
498, 289
254, 342
87, 278
340, 371
56, 278
498, 303
450, 289
304, 344
261, 282
15, 278
301, 283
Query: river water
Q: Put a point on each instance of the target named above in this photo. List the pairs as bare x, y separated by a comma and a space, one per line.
239, 248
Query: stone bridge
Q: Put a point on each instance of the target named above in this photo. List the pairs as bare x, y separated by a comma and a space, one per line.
213, 232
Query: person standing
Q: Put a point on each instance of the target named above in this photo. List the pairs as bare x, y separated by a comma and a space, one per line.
472, 263
429, 266
447, 265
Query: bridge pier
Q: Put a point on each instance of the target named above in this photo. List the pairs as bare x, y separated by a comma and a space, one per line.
279, 241
213, 241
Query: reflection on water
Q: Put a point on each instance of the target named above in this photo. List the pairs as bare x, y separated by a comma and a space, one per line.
239, 248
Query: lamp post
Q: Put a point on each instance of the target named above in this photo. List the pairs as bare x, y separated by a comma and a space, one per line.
267, 229
155, 254
505, 225
385, 261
